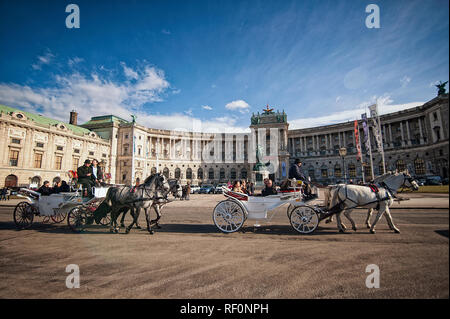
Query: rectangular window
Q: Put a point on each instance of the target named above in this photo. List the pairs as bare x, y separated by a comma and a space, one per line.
15, 141
59, 148
75, 161
37, 160
91, 153
39, 144
324, 173
58, 162
13, 158
103, 155
76, 151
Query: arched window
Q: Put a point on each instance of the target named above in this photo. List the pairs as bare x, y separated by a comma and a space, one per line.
211, 174
400, 164
311, 172
352, 170
11, 181
381, 168
419, 166
222, 173
166, 172
367, 172
189, 173
244, 173
36, 180
233, 174
56, 180
177, 173
337, 171
200, 173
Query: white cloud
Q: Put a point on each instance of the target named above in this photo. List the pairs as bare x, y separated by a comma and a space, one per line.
129, 72
384, 106
164, 31
207, 107
240, 105
405, 80
74, 61
43, 60
96, 95
90, 95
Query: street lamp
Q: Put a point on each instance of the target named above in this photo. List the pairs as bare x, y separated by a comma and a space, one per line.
343, 153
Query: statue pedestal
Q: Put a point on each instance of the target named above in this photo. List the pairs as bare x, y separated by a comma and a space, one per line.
259, 176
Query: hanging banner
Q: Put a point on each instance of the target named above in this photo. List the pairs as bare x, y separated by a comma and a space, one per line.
366, 138
358, 145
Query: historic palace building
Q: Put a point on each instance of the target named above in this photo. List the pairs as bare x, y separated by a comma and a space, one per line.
34, 148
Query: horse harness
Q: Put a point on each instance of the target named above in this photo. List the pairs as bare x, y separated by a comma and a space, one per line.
374, 188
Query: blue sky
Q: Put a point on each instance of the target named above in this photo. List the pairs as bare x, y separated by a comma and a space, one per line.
207, 65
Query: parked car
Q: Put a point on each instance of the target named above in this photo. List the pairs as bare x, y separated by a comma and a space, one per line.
218, 189
433, 180
207, 189
445, 181
195, 189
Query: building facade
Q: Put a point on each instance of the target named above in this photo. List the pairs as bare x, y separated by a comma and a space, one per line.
34, 148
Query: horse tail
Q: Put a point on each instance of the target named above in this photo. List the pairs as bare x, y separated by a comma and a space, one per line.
327, 196
334, 197
108, 197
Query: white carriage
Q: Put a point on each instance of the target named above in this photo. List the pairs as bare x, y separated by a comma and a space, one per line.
56, 207
230, 214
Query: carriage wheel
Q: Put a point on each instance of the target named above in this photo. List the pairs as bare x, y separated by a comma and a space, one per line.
58, 217
105, 221
23, 215
289, 210
45, 219
228, 216
76, 219
304, 219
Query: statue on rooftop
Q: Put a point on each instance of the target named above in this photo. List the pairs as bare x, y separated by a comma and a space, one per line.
441, 87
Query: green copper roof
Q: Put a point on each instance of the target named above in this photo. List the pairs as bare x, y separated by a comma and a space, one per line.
104, 120
46, 121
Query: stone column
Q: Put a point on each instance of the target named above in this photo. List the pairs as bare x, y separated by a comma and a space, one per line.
421, 131
408, 142
402, 135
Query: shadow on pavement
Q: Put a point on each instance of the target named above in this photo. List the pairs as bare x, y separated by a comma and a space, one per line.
442, 232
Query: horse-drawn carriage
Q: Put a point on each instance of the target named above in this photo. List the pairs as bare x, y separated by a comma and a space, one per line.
230, 214
56, 207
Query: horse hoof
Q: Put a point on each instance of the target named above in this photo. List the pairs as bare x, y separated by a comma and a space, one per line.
372, 231
369, 226
158, 226
342, 231
122, 225
138, 227
397, 231
151, 232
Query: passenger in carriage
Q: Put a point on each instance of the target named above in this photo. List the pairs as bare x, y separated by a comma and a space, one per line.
97, 174
269, 188
244, 187
237, 187
45, 189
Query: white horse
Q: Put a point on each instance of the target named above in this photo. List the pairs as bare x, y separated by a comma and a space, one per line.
327, 195
348, 197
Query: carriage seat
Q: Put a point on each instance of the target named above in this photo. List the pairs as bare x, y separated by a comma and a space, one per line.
239, 196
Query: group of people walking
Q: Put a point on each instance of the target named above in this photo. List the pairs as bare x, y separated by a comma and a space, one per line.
5, 193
